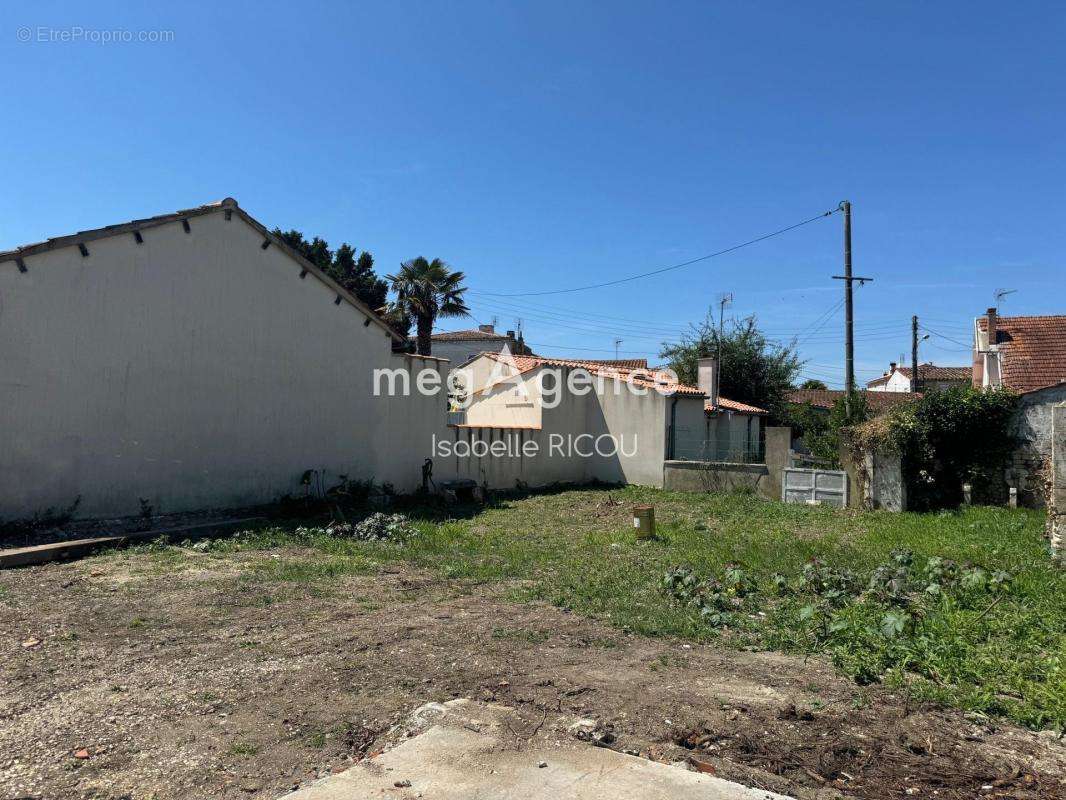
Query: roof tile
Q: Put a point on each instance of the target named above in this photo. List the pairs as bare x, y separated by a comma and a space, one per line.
1034, 350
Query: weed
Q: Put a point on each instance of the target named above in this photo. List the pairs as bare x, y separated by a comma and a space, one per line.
243, 749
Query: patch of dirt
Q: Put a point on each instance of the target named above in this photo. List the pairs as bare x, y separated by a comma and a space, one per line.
150, 680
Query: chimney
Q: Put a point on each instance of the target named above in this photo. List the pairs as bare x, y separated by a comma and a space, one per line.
510, 335
891, 367
708, 377
487, 328
991, 327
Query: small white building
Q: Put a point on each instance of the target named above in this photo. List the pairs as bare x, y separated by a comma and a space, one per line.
931, 377
461, 346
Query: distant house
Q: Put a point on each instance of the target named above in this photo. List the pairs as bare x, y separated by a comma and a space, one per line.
826, 399
734, 431
649, 418
931, 377
1026, 355
461, 346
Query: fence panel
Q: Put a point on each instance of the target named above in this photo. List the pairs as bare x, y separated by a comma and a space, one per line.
828, 486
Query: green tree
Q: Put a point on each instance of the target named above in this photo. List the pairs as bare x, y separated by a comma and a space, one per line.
426, 290
753, 370
347, 266
822, 432
813, 383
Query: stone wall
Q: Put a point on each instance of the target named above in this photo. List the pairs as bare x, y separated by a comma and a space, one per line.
1032, 426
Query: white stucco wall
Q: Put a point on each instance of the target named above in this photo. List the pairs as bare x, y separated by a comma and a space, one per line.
193, 370
462, 351
897, 382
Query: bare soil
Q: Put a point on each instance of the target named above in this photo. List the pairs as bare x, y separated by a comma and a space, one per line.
122, 678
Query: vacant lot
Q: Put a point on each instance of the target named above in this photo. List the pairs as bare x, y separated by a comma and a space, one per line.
250, 665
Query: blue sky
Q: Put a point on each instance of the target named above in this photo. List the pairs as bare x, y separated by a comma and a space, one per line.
542, 146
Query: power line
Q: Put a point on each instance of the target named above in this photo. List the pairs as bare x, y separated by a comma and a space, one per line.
948, 338
661, 270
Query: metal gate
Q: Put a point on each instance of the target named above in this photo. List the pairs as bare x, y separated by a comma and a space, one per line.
829, 486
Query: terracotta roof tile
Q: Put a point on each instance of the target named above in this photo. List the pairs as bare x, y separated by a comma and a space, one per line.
624, 363
467, 336
1033, 350
640, 377
930, 372
827, 398
725, 404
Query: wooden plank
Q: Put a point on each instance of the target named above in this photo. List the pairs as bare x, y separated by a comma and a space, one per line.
77, 548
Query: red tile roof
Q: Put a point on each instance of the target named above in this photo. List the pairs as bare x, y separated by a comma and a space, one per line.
1033, 351
827, 398
930, 372
466, 336
639, 377
624, 363
725, 404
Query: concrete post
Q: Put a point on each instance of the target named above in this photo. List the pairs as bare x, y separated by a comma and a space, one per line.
1057, 499
778, 456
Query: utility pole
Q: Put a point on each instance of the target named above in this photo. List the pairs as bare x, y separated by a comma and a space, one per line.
723, 300
849, 313
914, 353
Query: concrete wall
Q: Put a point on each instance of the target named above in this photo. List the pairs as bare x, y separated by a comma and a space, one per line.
193, 370
1033, 428
875, 481
710, 476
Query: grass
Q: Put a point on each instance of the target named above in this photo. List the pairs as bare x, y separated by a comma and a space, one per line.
999, 655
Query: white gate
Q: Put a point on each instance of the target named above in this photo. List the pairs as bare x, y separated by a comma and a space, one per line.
828, 486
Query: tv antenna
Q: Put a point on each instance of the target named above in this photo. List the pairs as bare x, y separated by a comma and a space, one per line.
616, 343
1001, 293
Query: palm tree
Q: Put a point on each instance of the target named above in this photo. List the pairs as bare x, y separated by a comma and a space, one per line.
426, 290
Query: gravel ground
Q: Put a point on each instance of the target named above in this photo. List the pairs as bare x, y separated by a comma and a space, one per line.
149, 675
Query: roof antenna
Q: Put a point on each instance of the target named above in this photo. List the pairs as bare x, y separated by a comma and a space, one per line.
616, 343
1001, 293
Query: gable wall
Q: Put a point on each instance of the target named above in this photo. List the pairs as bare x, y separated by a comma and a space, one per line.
193, 370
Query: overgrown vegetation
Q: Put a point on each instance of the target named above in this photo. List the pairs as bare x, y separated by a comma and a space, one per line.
871, 624
961, 608
753, 369
822, 432
960, 435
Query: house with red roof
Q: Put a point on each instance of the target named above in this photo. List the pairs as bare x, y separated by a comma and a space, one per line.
1026, 355
931, 377
648, 414
461, 346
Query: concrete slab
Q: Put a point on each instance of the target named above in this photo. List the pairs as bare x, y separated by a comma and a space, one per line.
470, 751
76, 548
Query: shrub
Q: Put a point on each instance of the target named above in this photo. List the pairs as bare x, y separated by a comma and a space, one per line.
945, 439
377, 527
